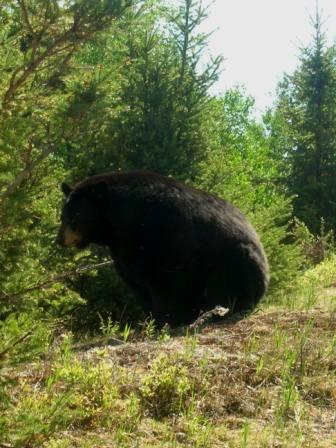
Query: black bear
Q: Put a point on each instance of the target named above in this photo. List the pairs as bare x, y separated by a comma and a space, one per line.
182, 251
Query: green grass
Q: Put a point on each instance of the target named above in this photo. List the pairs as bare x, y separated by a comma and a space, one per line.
266, 381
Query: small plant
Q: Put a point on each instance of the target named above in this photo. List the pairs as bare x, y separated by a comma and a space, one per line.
164, 334
65, 347
280, 338
246, 432
129, 420
251, 345
23, 337
166, 388
126, 332
191, 342
289, 398
197, 428
108, 328
302, 339
311, 297
149, 329
260, 366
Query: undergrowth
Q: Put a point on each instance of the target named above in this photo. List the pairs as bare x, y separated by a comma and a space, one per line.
265, 381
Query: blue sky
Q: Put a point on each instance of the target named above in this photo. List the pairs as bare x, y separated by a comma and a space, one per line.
261, 39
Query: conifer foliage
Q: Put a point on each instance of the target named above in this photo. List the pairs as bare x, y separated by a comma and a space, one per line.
306, 131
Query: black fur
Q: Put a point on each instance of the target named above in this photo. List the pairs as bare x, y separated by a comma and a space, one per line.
181, 250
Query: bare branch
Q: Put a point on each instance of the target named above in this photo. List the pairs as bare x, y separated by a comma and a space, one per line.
16, 342
216, 313
55, 279
23, 7
21, 177
78, 32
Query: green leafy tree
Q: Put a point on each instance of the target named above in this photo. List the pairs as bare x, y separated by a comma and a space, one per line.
240, 168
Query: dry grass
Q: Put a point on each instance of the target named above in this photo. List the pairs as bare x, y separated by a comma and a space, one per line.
266, 381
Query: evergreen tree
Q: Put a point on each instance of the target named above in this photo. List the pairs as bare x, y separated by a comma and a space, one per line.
240, 167
38, 41
304, 132
149, 116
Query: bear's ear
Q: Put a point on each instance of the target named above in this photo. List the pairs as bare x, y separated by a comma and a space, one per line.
66, 189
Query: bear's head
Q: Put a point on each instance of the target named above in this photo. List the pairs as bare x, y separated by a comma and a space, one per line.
82, 215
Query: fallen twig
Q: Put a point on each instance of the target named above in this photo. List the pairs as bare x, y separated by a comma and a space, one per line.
206, 317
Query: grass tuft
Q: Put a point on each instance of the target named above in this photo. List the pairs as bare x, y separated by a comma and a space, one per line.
265, 381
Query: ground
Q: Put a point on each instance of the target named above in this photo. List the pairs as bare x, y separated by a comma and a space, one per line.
266, 381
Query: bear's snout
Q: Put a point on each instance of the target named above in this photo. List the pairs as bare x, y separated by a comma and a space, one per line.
67, 237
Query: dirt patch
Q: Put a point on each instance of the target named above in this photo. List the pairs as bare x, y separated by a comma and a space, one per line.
268, 380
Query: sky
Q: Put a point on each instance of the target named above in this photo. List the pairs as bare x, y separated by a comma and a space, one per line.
261, 40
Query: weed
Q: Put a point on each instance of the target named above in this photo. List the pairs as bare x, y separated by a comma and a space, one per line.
165, 389
126, 332
289, 397
164, 334
149, 329
108, 328
246, 431
265, 381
